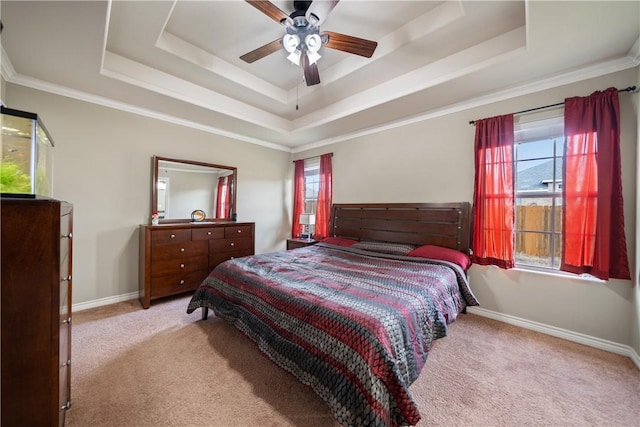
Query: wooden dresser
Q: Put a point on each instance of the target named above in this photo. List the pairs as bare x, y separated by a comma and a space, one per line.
36, 250
176, 258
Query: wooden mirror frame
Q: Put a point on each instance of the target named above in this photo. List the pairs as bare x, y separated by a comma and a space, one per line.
154, 188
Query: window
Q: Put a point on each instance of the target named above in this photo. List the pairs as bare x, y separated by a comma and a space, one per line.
538, 165
590, 239
311, 184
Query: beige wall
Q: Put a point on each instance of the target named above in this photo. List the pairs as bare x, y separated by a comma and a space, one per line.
102, 164
432, 161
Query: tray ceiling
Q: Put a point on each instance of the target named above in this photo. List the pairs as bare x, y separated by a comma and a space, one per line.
179, 60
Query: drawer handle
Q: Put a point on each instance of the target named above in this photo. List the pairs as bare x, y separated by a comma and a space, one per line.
181, 249
232, 244
232, 257
239, 231
67, 236
68, 363
66, 279
173, 236
208, 233
181, 265
67, 320
66, 406
182, 282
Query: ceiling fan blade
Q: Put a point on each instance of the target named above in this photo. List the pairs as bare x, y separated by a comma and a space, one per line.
311, 75
350, 44
262, 51
321, 9
271, 10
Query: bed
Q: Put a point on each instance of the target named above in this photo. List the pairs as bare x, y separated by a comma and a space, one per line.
354, 316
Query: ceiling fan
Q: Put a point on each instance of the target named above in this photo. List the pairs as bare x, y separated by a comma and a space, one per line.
303, 38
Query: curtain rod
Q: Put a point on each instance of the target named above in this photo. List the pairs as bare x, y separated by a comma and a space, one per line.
313, 157
627, 89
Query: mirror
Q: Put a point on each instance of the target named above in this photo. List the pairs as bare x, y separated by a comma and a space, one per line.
180, 187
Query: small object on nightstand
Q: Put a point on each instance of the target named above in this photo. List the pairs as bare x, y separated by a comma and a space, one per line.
299, 243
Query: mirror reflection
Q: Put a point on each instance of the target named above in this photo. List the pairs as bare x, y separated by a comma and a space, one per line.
183, 186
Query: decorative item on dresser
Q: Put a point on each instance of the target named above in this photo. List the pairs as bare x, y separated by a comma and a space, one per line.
176, 258
36, 269
299, 243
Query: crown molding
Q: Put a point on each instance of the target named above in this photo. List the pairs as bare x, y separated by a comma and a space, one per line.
123, 106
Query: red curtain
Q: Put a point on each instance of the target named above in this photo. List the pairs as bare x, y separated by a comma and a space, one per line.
298, 198
323, 212
219, 198
593, 217
227, 202
493, 200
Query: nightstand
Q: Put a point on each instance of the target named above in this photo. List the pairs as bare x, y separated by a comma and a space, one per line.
299, 243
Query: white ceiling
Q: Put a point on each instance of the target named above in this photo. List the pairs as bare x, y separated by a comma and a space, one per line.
179, 60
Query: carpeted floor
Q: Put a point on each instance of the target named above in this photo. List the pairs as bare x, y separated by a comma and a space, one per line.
162, 367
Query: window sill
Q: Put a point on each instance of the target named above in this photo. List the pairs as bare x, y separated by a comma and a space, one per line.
557, 273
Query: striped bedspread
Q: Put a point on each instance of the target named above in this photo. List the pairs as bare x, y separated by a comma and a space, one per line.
353, 325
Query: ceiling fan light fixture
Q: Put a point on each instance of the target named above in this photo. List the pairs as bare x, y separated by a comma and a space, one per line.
313, 42
313, 57
295, 57
290, 42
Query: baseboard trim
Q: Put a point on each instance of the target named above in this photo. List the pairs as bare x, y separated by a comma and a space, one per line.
591, 341
634, 356
104, 301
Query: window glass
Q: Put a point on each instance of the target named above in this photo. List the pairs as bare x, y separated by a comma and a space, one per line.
538, 182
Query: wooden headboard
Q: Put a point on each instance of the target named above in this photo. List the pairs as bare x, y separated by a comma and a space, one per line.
442, 224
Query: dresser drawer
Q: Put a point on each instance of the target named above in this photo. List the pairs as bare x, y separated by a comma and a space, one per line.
179, 250
217, 257
177, 266
170, 236
207, 233
235, 244
237, 231
177, 283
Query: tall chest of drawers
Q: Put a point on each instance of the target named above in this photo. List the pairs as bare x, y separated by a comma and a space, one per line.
36, 244
176, 258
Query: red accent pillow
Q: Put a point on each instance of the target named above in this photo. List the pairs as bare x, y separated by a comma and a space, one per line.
339, 241
440, 253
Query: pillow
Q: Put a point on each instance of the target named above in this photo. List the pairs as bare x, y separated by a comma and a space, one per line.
385, 247
443, 254
339, 241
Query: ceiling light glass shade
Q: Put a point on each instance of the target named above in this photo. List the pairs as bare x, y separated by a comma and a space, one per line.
313, 42
294, 57
290, 42
313, 57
